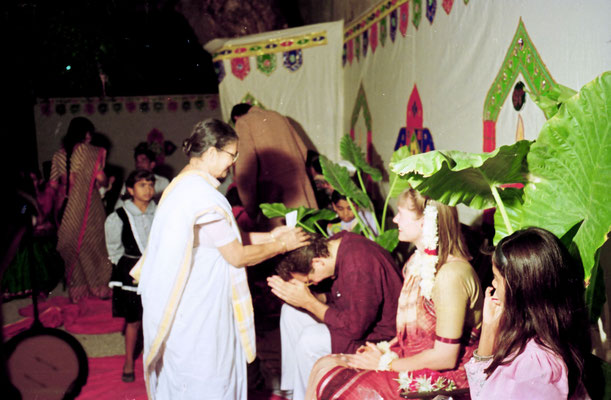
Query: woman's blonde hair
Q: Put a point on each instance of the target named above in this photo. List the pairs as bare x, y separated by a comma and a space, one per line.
451, 239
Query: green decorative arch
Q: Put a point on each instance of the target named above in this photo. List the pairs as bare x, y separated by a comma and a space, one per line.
522, 57
250, 99
362, 105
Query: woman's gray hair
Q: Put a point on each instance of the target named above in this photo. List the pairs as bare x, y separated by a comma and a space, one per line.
206, 134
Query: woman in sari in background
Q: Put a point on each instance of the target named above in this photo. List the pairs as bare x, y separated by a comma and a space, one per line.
438, 316
77, 171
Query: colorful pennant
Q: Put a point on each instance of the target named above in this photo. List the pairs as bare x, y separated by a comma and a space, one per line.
293, 60
266, 63
240, 67
431, 8
417, 10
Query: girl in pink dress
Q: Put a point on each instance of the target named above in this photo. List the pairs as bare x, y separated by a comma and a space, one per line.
535, 335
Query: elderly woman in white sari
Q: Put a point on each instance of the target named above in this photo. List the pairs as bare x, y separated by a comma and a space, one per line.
198, 318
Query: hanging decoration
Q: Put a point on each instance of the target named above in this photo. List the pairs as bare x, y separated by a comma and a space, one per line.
357, 47
219, 69
143, 104
521, 58
414, 135
431, 8
417, 11
240, 67
250, 99
361, 105
393, 25
447, 5
404, 19
374, 37
271, 46
350, 51
383, 30
365, 43
292, 60
344, 55
266, 63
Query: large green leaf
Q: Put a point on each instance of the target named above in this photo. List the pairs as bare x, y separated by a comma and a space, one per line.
340, 179
353, 153
550, 101
307, 218
454, 177
398, 183
388, 239
570, 171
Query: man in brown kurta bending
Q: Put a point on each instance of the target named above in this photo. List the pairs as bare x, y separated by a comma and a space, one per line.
271, 166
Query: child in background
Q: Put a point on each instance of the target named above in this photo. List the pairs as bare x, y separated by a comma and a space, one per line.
127, 230
348, 221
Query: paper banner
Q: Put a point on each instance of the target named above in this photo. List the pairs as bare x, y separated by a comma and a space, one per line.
393, 25
403, 18
374, 37
293, 60
266, 63
240, 67
431, 8
383, 30
447, 6
417, 11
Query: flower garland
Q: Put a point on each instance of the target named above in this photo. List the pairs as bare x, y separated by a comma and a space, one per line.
424, 383
388, 356
424, 263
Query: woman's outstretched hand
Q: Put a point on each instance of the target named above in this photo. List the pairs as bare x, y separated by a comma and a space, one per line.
493, 309
293, 238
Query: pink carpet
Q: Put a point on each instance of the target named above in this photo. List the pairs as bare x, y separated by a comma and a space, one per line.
90, 316
105, 382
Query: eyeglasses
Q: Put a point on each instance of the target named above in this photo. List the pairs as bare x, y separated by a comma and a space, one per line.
234, 157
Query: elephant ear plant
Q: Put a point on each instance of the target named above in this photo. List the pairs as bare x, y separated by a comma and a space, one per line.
356, 195
563, 179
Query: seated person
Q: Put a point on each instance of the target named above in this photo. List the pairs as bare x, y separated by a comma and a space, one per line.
145, 159
360, 306
438, 317
535, 336
347, 220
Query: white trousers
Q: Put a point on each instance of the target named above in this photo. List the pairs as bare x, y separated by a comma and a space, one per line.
304, 340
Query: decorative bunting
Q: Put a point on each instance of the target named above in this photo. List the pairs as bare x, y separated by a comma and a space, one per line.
271, 46
357, 47
144, 104
466, 2
403, 18
344, 54
431, 8
414, 119
293, 60
350, 50
240, 67
266, 63
377, 14
414, 135
383, 30
417, 10
447, 6
219, 68
393, 25
374, 37
365, 43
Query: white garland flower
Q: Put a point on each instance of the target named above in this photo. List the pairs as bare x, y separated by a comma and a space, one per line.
383, 346
405, 380
424, 264
386, 359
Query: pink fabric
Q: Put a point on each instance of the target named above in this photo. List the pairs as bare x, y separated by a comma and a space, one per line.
51, 317
534, 374
90, 316
104, 381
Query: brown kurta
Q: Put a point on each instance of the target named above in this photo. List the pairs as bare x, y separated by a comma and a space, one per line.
80, 238
271, 167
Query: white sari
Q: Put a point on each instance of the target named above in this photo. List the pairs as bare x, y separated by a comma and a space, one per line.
198, 320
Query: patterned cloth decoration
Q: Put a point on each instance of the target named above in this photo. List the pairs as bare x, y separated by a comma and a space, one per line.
393, 25
60, 109
90, 109
130, 105
418, 139
466, 1
266, 63
374, 37
383, 30
350, 50
103, 108
219, 68
293, 59
365, 43
240, 67
357, 47
403, 18
417, 10
431, 8
447, 6
75, 108
361, 105
344, 54
117, 107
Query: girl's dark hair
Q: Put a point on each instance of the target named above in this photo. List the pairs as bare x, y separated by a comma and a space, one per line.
137, 176
77, 131
206, 134
544, 301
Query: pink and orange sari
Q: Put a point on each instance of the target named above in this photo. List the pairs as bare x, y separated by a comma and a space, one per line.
416, 320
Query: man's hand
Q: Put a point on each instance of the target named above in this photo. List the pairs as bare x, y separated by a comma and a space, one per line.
293, 292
